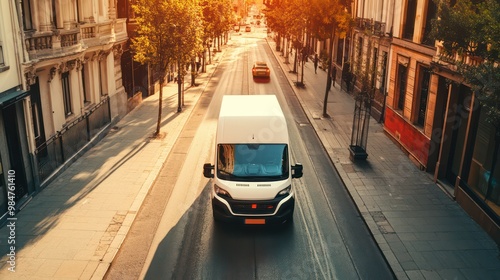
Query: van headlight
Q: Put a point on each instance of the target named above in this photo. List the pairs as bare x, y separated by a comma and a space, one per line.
284, 192
221, 192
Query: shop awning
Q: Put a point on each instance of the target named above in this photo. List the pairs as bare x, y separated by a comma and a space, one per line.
11, 96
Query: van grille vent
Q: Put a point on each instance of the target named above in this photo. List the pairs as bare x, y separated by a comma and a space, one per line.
242, 185
263, 185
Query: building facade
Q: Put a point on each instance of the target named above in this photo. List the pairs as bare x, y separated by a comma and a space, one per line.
69, 72
467, 145
428, 110
16, 153
409, 109
368, 60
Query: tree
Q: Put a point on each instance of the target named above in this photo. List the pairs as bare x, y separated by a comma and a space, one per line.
470, 30
289, 19
168, 31
329, 17
319, 18
217, 19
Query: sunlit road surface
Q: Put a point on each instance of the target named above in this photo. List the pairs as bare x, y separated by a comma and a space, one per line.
327, 240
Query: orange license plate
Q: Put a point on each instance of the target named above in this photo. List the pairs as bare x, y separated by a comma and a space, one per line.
255, 221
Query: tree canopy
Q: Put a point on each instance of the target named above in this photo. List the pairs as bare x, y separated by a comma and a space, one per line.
471, 28
218, 17
167, 30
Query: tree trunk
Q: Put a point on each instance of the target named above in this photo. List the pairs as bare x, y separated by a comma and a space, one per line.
209, 55
302, 68
295, 62
329, 75
203, 62
193, 72
278, 42
179, 85
160, 100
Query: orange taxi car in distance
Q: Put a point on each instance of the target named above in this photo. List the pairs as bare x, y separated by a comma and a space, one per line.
260, 69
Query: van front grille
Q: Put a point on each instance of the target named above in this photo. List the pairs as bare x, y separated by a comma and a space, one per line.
260, 207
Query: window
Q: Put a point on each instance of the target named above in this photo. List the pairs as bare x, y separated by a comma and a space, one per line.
383, 71
26, 5
86, 94
346, 49
66, 94
340, 51
431, 13
54, 13
359, 56
2, 61
409, 24
252, 162
374, 67
36, 122
421, 101
103, 86
481, 177
401, 86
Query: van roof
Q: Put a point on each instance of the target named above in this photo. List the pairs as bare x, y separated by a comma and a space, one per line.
250, 105
251, 119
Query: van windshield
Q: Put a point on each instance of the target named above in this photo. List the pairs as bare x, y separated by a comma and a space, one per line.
252, 162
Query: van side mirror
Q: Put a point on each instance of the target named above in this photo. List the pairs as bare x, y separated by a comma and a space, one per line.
297, 170
207, 170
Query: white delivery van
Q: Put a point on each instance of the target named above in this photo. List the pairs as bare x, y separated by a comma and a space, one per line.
252, 174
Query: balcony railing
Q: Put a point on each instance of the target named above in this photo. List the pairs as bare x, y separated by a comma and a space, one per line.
38, 42
376, 27
59, 42
451, 60
379, 28
88, 31
70, 39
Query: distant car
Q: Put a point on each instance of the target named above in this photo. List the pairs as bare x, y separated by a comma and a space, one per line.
237, 28
248, 28
260, 69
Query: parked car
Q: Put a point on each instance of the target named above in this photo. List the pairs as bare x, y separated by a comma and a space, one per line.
248, 28
260, 69
237, 28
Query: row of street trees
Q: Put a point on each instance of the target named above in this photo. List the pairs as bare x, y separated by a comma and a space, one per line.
298, 21
175, 32
469, 29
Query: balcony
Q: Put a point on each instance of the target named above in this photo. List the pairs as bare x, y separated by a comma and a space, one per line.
61, 42
43, 45
379, 28
375, 27
450, 60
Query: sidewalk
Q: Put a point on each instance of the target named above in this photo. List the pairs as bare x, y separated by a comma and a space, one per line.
75, 226
422, 232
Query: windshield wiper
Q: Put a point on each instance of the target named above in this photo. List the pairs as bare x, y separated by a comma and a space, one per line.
231, 175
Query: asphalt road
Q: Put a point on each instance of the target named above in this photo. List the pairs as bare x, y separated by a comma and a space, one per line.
174, 236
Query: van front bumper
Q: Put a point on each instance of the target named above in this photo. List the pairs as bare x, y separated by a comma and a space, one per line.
247, 212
